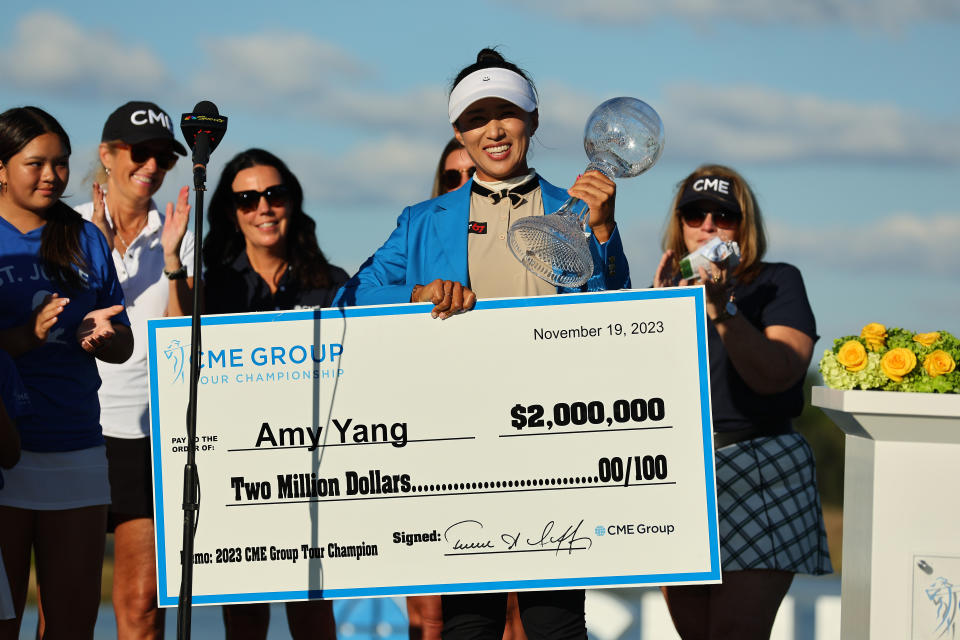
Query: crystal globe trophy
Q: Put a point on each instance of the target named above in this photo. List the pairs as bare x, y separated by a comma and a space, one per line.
623, 138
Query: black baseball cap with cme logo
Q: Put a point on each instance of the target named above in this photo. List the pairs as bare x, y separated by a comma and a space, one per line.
138, 122
711, 189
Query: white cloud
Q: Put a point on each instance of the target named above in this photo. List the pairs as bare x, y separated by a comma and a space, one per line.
758, 124
291, 74
884, 13
260, 68
302, 75
898, 244
422, 109
50, 53
394, 171
563, 116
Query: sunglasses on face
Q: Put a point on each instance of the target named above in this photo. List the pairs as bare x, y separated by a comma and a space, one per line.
722, 218
247, 201
141, 153
450, 178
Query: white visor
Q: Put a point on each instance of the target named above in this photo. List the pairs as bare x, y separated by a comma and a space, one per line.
494, 82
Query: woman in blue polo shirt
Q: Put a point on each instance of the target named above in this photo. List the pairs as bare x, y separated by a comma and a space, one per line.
63, 307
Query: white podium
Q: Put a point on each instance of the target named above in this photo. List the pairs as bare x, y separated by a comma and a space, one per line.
901, 513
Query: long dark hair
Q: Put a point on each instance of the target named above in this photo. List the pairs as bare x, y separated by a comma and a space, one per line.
486, 59
224, 242
60, 252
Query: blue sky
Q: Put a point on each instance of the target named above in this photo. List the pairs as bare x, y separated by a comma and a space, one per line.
843, 114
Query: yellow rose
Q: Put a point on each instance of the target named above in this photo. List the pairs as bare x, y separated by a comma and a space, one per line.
938, 363
897, 363
853, 356
875, 335
927, 339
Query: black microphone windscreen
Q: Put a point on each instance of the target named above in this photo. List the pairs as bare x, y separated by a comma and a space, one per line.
206, 108
203, 130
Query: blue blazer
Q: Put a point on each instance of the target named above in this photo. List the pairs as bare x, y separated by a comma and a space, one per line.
430, 242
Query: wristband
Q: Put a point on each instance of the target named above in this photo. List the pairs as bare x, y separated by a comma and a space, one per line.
179, 274
729, 311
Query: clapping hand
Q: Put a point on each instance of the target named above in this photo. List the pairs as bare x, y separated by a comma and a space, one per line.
175, 227
96, 329
100, 215
45, 315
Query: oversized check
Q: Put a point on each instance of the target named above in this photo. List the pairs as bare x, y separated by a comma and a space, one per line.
535, 443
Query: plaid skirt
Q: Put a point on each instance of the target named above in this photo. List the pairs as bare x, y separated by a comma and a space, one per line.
769, 508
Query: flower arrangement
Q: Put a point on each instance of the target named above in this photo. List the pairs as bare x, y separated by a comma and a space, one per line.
893, 360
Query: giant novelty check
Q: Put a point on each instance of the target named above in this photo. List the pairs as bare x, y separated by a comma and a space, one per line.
536, 443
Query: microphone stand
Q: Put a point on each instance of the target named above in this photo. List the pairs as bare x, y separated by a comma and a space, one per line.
191, 481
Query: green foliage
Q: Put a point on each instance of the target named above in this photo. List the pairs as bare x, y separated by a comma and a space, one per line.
900, 338
873, 376
836, 376
948, 383
839, 342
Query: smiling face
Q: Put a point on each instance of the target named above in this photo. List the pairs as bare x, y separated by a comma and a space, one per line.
265, 226
135, 177
36, 176
496, 135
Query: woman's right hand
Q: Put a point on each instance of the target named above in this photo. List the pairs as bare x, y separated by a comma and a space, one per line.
45, 316
100, 215
447, 296
665, 277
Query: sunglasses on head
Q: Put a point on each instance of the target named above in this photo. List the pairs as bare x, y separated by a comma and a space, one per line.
450, 178
141, 153
247, 201
723, 219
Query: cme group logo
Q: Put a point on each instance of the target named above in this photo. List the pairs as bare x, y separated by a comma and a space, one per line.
176, 353
635, 529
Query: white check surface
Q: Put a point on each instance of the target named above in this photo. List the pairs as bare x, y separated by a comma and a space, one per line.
536, 443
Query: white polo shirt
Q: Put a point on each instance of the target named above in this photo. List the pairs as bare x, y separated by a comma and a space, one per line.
124, 394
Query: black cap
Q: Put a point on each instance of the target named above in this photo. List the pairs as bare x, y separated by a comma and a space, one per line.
712, 189
138, 122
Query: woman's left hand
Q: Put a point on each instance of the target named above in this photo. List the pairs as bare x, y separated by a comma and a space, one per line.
599, 193
717, 288
174, 228
96, 330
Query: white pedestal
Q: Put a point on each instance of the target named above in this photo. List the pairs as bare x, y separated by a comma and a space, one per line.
901, 521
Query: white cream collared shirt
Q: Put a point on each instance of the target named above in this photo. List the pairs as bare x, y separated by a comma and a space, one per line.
494, 271
124, 392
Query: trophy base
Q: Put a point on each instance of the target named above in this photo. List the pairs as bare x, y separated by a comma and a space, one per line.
552, 247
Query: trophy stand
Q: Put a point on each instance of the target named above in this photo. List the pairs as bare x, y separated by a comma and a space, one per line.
901, 548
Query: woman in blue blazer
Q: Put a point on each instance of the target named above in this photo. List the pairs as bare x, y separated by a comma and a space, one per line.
426, 258
453, 248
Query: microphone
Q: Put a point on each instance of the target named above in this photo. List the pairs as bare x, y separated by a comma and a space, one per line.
203, 129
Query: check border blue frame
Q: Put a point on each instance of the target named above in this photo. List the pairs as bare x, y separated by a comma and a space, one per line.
714, 574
